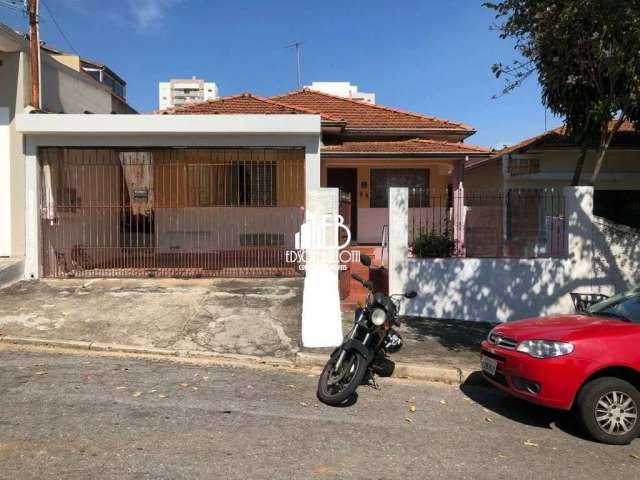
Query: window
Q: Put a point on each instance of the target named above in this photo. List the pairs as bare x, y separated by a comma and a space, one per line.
524, 166
250, 184
415, 179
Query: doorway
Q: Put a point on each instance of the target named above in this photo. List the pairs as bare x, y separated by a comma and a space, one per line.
346, 179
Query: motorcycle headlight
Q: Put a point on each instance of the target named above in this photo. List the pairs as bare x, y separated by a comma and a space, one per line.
545, 348
378, 316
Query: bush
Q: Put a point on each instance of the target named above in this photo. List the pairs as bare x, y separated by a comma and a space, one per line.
430, 245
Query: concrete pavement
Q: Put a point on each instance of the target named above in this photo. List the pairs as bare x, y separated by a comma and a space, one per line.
78, 417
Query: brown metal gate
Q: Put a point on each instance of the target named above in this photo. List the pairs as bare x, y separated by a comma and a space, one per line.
170, 212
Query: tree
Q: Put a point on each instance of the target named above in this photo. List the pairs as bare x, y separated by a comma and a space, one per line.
586, 54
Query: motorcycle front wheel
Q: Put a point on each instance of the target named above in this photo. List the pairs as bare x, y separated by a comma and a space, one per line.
336, 387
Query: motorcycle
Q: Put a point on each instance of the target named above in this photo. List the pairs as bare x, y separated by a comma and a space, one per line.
367, 343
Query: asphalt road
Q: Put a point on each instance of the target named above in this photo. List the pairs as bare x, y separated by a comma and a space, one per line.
79, 417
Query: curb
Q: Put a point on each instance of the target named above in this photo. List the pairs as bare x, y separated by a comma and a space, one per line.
427, 372
219, 358
424, 371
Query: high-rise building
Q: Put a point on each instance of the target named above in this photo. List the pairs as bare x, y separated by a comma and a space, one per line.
180, 91
342, 89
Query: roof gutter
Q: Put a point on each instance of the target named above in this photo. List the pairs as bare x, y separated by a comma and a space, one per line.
330, 154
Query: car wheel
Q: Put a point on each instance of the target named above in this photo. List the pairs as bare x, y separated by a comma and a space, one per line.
609, 408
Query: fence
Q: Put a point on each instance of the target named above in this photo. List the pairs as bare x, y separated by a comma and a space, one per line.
170, 212
527, 223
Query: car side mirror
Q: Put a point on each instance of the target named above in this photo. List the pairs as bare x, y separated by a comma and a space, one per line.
411, 294
365, 260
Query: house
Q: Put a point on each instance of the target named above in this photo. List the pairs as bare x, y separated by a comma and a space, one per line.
367, 148
64, 89
548, 161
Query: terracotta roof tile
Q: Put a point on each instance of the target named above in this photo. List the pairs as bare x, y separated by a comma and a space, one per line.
244, 103
627, 135
406, 146
363, 115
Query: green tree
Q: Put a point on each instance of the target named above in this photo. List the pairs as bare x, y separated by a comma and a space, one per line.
586, 54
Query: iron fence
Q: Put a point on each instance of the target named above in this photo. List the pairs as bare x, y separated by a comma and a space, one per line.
525, 223
170, 212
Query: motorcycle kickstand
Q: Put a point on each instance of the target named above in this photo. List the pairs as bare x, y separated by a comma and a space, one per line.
371, 381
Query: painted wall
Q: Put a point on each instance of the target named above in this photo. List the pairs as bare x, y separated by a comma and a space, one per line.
63, 90
372, 220
157, 131
504, 289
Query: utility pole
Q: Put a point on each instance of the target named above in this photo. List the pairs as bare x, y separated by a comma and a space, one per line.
297, 47
34, 47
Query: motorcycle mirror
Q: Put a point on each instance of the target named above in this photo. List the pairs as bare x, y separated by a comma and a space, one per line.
411, 294
365, 260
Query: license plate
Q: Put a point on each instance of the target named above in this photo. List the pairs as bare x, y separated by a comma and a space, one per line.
489, 365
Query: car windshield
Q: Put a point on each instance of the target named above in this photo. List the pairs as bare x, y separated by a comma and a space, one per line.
625, 306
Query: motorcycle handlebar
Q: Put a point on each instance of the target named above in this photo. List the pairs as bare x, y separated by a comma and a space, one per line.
367, 284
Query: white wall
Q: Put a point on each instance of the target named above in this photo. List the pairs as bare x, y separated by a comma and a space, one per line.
5, 183
504, 289
151, 131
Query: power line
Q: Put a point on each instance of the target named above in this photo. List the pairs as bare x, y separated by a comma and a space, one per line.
58, 27
15, 5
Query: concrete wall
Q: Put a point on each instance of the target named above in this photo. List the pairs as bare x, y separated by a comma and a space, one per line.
62, 90
230, 131
504, 289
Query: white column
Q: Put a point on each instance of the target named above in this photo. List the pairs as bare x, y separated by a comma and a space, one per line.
398, 238
580, 238
5, 184
32, 215
321, 318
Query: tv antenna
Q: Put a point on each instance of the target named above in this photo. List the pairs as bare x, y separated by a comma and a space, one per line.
297, 47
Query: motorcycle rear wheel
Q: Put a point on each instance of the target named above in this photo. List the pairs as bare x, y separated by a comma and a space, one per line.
352, 372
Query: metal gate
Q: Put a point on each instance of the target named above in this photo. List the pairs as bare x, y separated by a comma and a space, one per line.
170, 212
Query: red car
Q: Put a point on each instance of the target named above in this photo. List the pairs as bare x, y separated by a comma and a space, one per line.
589, 362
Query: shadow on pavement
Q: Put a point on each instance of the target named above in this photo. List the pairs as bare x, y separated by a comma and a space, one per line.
454, 335
480, 391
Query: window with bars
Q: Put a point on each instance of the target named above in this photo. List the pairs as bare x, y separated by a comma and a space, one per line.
249, 184
415, 179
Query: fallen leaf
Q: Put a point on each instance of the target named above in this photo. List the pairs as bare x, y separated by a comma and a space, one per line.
529, 443
634, 455
184, 385
205, 378
443, 402
137, 394
304, 404
291, 386
41, 373
487, 419
120, 388
153, 391
412, 408
194, 388
162, 396
408, 420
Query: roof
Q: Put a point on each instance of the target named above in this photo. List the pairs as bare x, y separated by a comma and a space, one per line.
361, 115
627, 135
244, 103
413, 146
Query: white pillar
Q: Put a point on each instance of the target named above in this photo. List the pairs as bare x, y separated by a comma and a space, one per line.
580, 238
398, 238
5, 184
32, 215
321, 318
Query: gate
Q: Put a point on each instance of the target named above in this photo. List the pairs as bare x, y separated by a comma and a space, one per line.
170, 212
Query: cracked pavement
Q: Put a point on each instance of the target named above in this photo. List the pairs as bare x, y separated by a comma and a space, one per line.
245, 316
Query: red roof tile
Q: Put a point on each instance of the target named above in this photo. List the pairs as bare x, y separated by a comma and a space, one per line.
244, 103
363, 115
412, 146
557, 137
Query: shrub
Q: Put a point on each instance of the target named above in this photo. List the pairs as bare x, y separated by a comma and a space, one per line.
430, 245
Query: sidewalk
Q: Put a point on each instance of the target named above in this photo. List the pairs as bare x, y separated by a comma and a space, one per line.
236, 319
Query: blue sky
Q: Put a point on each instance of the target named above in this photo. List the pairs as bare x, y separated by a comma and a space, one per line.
427, 56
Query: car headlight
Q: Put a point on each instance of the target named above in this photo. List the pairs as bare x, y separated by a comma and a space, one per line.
378, 316
545, 348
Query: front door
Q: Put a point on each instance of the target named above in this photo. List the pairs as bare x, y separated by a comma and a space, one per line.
346, 179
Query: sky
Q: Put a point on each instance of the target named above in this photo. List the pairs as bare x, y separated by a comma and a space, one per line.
428, 56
